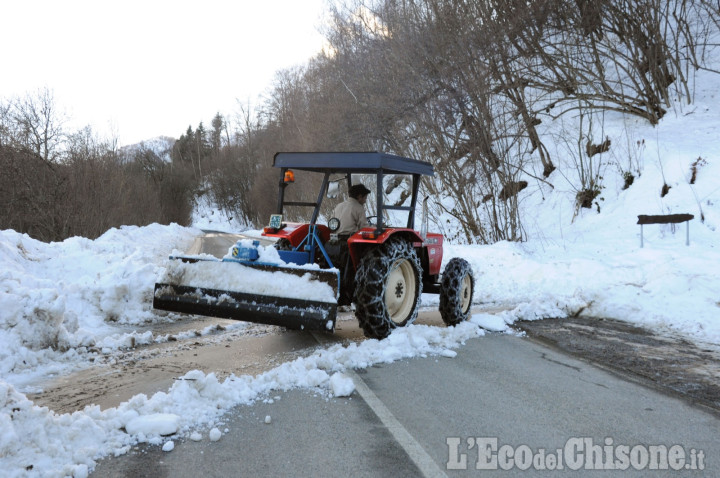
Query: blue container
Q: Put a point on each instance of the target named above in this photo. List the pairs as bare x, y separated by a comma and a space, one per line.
244, 253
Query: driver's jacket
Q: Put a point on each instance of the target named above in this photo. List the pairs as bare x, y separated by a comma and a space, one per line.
352, 216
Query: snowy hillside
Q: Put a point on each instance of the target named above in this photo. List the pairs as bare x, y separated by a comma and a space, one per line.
160, 146
62, 305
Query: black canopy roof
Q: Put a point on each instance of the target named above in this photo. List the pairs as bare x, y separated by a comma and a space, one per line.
352, 162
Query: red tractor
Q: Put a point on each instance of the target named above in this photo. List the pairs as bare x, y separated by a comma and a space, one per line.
382, 269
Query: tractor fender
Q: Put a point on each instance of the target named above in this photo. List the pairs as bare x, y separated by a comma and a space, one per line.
295, 232
367, 238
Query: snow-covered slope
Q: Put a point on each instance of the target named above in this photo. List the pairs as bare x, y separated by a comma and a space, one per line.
161, 146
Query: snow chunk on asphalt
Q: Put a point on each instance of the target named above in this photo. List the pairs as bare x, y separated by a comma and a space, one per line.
168, 446
493, 323
155, 424
341, 385
215, 434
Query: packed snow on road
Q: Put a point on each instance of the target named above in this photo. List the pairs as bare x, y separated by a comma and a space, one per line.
214, 274
64, 305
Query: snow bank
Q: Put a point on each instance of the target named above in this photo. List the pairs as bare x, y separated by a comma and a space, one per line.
60, 297
663, 286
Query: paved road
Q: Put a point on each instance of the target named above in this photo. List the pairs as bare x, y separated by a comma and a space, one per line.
661, 357
417, 417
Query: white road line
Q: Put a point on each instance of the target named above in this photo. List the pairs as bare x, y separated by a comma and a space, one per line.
417, 454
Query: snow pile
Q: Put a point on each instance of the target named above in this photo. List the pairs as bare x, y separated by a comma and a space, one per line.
66, 296
36, 441
229, 274
233, 276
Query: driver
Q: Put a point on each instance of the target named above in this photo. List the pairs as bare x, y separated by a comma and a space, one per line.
351, 212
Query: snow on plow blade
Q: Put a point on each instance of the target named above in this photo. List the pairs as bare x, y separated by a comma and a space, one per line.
290, 297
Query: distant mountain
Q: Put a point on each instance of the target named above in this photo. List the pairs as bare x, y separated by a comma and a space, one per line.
161, 146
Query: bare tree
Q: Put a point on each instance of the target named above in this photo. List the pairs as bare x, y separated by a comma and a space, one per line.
6, 124
470, 85
39, 124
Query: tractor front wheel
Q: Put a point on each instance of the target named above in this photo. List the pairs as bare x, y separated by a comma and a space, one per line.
456, 291
387, 288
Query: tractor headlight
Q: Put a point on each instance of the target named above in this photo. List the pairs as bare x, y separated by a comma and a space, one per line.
334, 224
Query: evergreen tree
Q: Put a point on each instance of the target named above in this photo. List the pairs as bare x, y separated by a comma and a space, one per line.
216, 134
183, 149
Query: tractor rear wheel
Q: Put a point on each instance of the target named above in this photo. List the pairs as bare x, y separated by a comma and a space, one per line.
456, 291
387, 288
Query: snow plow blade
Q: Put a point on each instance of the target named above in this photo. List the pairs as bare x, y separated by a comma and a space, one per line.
286, 296
285, 312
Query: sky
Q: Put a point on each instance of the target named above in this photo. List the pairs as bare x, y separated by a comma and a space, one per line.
136, 70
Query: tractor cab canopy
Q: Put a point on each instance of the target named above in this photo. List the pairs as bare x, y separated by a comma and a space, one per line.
347, 164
